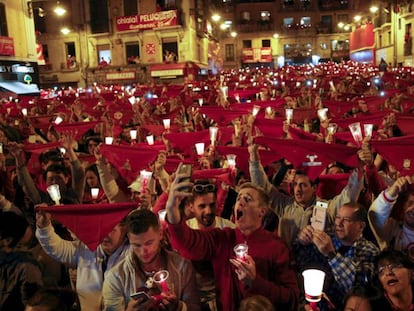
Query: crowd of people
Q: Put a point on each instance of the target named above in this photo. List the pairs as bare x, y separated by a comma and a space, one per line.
211, 195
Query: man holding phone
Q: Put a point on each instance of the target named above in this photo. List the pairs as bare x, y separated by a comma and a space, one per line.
346, 256
266, 269
130, 285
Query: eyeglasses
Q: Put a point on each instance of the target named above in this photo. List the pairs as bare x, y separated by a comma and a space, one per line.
347, 220
391, 267
199, 188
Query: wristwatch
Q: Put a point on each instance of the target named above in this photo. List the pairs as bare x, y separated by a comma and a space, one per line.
331, 255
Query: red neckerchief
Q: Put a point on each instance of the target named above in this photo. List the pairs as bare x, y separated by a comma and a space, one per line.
394, 307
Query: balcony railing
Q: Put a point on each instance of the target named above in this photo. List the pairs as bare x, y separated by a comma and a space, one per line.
252, 26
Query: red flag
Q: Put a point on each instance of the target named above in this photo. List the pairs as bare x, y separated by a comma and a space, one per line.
91, 223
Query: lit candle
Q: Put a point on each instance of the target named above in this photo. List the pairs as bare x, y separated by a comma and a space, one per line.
161, 215
133, 134
54, 193
289, 115
241, 251
368, 129
255, 110
145, 178
231, 161
199, 148
167, 123
313, 284
109, 140
160, 278
150, 139
322, 114
213, 134
94, 193
356, 132
58, 120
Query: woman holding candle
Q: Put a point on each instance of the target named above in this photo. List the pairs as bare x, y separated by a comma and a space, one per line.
92, 185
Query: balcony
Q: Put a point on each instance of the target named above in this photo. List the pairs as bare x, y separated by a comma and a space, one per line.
295, 6
299, 30
251, 26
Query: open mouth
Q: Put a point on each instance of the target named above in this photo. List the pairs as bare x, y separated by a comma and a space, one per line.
239, 214
392, 282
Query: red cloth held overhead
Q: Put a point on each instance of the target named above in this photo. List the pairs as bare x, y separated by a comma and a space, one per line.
91, 223
80, 128
398, 151
129, 160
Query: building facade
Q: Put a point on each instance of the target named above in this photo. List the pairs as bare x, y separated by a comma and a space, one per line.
119, 41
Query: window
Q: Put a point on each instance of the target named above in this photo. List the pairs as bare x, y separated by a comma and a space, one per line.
130, 7
45, 53
99, 16
247, 44
132, 53
70, 55
288, 21
229, 52
265, 16
344, 18
266, 43
170, 50
305, 21
245, 16
3, 21
104, 54
70, 48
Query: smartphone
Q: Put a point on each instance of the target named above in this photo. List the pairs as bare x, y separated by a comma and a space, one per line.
187, 170
318, 219
141, 294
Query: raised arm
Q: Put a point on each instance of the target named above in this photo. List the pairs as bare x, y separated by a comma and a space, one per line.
23, 175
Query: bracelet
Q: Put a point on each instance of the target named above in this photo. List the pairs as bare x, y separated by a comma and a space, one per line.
386, 198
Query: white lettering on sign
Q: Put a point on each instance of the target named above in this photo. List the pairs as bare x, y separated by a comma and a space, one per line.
167, 72
120, 75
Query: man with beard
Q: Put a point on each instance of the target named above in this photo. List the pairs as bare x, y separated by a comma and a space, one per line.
136, 273
266, 269
202, 205
390, 231
346, 256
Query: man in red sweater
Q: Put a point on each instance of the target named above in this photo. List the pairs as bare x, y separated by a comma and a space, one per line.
266, 270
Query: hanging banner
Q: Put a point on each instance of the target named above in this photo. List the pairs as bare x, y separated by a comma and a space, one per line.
257, 55
147, 21
6, 46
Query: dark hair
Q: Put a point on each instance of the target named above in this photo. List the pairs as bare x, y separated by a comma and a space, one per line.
140, 221
51, 155
55, 299
206, 185
12, 226
302, 173
94, 169
256, 303
361, 212
95, 139
56, 168
394, 256
371, 293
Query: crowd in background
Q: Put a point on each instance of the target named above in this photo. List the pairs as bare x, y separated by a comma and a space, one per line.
268, 149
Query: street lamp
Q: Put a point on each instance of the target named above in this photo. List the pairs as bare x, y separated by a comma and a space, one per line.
59, 10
